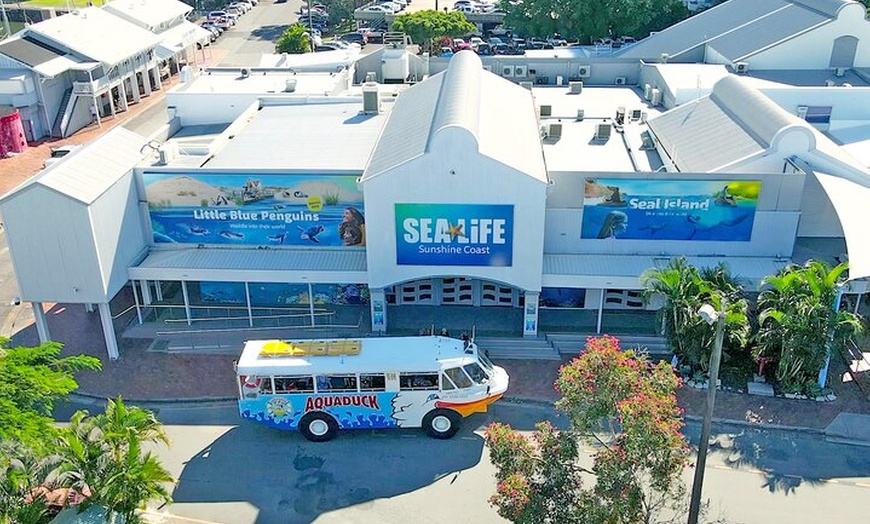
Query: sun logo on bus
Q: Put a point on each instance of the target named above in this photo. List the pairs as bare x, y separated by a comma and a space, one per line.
278, 408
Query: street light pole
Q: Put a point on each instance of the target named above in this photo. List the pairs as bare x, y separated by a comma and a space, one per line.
710, 315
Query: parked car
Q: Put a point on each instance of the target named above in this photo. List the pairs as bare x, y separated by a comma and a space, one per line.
214, 15
374, 35
243, 7
355, 38
379, 9
212, 29
496, 41
223, 23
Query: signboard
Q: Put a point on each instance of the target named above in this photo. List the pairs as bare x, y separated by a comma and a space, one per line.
718, 210
454, 234
245, 209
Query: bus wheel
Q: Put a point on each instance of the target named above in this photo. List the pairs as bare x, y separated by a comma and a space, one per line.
318, 427
441, 423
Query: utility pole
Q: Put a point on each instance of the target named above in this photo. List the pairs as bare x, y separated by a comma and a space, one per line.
710, 315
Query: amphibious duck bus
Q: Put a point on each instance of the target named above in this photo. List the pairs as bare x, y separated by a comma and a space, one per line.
321, 386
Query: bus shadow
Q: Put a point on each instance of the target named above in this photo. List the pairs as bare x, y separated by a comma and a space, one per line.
290, 480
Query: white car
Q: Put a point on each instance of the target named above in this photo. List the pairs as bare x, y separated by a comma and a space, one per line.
243, 7
379, 9
394, 6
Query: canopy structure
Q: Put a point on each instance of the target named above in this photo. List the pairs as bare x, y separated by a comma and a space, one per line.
850, 202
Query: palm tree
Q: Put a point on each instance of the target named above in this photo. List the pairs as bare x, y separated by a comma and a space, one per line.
685, 289
22, 473
103, 454
798, 326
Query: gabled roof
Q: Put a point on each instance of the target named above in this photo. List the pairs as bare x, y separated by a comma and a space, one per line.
150, 13
87, 173
736, 121
96, 34
496, 113
738, 28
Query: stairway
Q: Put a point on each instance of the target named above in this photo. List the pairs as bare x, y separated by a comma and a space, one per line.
517, 348
574, 343
57, 128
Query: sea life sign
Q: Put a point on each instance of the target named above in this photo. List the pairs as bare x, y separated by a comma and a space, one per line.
248, 209
719, 210
454, 234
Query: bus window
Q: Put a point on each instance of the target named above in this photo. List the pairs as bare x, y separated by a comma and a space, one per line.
446, 383
336, 383
477, 374
294, 384
458, 377
372, 382
418, 381
266, 386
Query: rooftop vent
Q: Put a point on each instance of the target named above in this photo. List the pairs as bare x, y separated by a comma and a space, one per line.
290, 85
371, 98
575, 88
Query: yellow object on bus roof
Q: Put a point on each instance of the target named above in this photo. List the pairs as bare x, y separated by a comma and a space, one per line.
281, 348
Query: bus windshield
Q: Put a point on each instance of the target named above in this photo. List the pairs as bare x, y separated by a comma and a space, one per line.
486, 363
477, 374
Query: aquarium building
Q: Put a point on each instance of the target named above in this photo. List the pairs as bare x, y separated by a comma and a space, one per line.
384, 209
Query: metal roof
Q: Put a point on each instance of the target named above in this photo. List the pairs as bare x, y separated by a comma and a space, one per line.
28, 51
498, 114
150, 13
623, 271
90, 171
323, 265
96, 34
737, 28
317, 136
736, 121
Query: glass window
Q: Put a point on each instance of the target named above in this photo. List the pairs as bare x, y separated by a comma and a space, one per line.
294, 384
446, 383
458, 377
372, 382
336, 383
477, 374
418, 381
486, 363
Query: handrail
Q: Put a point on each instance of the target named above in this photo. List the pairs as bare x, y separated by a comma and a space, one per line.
205, 319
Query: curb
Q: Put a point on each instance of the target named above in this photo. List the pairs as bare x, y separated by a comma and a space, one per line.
88, 398
757, 425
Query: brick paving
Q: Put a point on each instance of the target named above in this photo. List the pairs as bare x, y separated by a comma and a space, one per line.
143, 375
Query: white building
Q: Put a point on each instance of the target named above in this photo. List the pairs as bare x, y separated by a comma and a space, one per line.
464, 190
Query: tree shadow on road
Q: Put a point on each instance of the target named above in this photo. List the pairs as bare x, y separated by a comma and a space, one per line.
269, 32
787, 460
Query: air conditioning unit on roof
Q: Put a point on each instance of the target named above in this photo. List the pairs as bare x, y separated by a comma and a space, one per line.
585, 71
575, 88
520, 71
620, 81
741, 67
507, 71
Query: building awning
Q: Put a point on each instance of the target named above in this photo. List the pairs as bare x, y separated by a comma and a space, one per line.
177, 39
318, 266
850, 202
623, 271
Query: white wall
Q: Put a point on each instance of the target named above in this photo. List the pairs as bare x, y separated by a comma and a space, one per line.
204, 109
819, 218
118, 232
477, 180
52, 247
812, 50
847, 103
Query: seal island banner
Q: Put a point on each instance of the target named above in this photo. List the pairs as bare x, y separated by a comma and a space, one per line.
249, 209
718, 210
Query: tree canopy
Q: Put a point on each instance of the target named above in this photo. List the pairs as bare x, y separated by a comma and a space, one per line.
294, 40
626, 408
586, 20
425, 26
32, 380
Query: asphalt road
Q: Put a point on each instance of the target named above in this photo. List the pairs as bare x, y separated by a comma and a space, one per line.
239, 473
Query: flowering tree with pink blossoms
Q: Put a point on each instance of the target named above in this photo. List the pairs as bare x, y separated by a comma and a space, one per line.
625, 408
